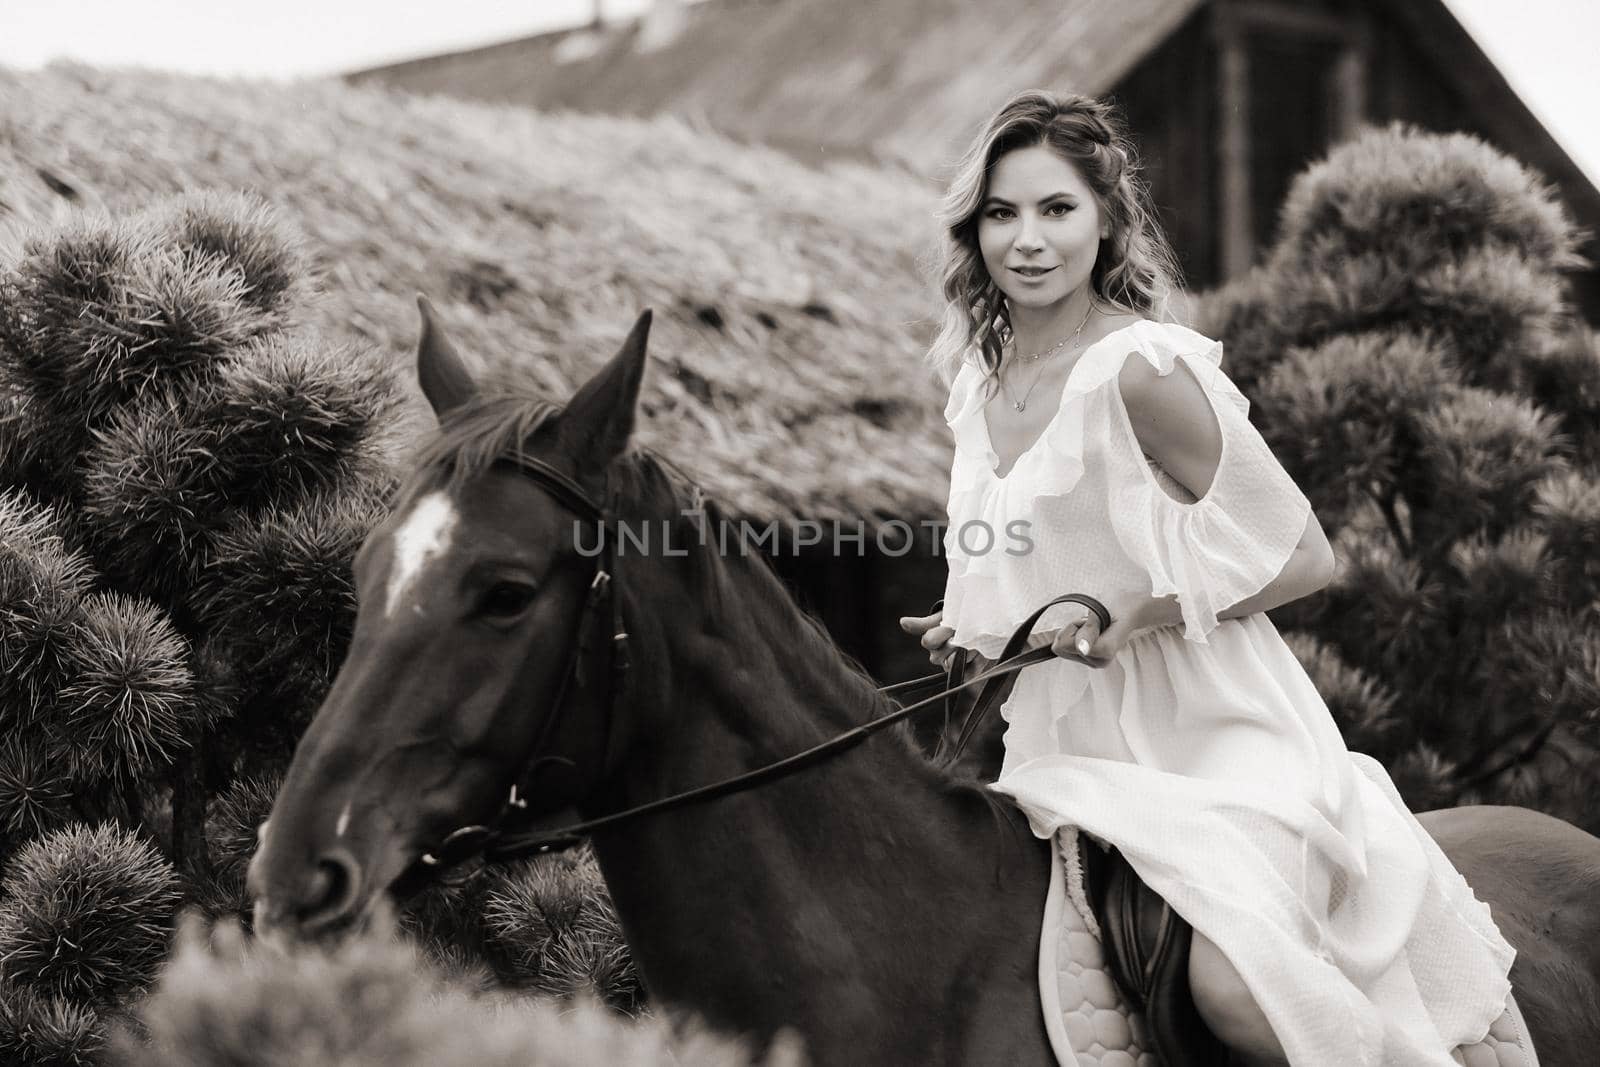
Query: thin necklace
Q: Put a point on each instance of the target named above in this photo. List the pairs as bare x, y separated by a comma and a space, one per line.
1072, 341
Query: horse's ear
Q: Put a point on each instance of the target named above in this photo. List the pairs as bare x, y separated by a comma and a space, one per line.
599, 419
440, 371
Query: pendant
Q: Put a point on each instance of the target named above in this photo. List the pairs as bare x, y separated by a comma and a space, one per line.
1019, 405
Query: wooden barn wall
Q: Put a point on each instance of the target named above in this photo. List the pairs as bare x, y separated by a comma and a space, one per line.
1171, 101
1170, 104
1293, 120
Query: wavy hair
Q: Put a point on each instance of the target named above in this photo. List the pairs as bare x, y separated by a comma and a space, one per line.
1134, 269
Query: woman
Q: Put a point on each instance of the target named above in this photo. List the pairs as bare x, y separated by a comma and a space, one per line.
1101, 449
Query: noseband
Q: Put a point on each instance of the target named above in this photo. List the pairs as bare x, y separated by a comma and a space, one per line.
495, 842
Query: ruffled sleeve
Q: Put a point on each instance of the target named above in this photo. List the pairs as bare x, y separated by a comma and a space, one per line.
1228, 545
970, 467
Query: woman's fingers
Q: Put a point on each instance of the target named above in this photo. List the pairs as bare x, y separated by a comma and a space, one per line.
1087, 635
937, 642
933, 636
1076, 638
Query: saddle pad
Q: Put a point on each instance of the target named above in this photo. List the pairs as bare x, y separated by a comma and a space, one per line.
1088, 1020
1084, 1012
1507, 1044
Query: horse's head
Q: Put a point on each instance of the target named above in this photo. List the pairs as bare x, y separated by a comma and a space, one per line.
472, 601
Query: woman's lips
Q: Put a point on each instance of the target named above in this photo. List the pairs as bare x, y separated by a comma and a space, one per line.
1031, 273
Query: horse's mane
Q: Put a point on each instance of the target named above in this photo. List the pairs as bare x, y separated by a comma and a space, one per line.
480, 433
486, 429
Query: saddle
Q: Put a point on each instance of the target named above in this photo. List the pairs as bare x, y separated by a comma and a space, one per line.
1146, 945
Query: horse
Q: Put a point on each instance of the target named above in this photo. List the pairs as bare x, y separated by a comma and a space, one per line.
882, 904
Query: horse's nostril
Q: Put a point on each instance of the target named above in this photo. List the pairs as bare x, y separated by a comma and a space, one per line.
332, 891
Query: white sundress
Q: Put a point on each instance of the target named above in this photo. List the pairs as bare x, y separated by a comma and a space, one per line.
1202, 751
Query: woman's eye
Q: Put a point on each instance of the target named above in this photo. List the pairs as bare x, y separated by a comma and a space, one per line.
505, 600
1058, 210
998, 213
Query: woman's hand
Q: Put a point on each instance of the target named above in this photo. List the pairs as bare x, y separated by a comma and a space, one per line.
935, 636
1081, 639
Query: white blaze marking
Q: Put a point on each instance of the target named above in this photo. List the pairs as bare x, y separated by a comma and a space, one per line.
424, 536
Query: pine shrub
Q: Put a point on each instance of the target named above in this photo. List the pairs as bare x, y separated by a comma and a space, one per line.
277, 591
190, 476
550, 925
35, 795
42, 585
128, 706
48, 1031
105, 310
1414, 363
86, 915
186, 473
245, 238
377, 1002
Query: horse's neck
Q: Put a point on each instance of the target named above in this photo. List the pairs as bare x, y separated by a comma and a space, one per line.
749, 685
871, 845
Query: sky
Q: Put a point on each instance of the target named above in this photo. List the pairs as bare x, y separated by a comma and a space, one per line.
1544, 47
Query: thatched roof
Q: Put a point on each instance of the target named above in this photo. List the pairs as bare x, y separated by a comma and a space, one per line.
908, 81
791, 309
799, 75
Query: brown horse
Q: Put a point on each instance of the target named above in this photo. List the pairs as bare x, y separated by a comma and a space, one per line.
885, 907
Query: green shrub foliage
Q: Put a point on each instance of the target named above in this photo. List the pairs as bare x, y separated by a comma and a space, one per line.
189, 476
86, 915
42, 585
1415, 365
376, 1002
128, 705
186, 474
550, 925
47, 1031
35, 794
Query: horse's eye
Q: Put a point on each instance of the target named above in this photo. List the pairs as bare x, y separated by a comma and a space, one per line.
506, 600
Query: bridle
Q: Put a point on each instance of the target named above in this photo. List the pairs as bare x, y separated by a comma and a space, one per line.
495, 841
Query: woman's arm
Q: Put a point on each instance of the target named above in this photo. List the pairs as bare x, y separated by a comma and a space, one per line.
1172, 419
1307, 571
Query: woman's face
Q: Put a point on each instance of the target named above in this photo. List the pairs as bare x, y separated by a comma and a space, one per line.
1039, 227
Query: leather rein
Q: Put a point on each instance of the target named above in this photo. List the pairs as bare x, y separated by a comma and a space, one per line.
495, 842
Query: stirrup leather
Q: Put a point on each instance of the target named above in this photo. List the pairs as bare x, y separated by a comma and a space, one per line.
1146, 945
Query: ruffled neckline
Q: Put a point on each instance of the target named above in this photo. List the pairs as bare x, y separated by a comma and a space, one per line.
969, 422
